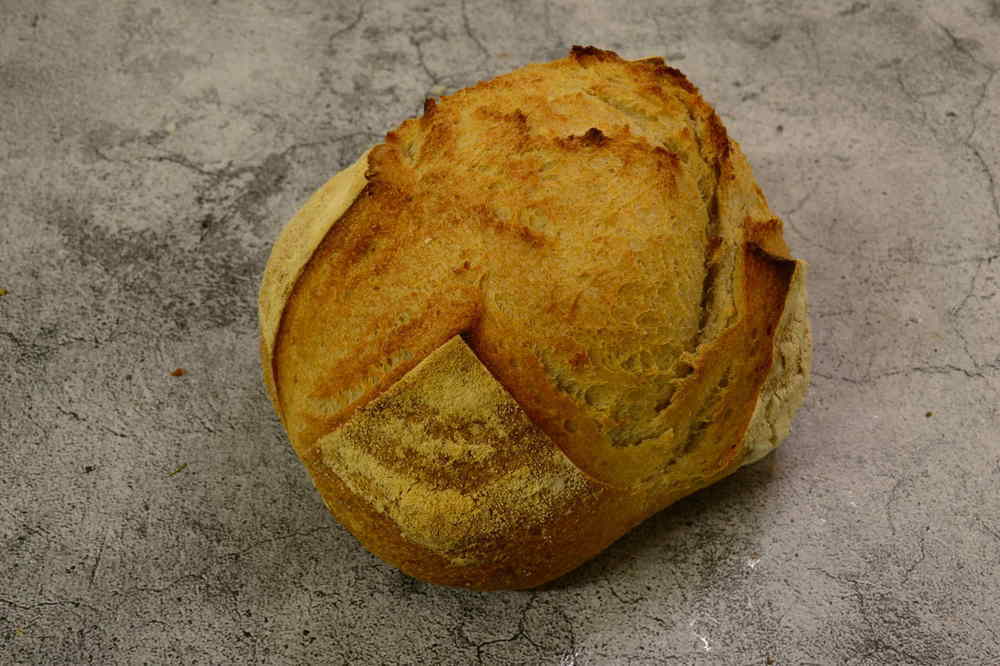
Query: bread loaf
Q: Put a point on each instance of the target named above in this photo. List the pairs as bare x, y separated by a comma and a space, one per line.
544, 310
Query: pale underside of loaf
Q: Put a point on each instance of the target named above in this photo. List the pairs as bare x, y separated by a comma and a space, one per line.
549, 307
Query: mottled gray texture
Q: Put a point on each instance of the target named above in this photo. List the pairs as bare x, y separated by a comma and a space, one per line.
149, 153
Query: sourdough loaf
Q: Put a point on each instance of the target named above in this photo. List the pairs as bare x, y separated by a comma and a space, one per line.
547, 308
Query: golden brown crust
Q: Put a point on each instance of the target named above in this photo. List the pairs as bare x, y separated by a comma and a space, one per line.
535, 315
294, 247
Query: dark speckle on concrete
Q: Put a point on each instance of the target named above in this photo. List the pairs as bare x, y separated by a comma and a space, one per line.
149, 155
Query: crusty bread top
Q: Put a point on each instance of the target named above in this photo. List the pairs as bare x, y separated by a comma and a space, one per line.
591, 232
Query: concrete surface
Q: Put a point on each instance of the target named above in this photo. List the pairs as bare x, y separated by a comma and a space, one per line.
149, 153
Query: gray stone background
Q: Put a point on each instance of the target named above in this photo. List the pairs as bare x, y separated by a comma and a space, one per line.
149, 154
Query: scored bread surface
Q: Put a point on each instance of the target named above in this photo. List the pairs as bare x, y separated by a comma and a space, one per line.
547, 308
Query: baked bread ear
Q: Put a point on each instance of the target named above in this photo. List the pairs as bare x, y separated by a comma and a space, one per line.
549, 307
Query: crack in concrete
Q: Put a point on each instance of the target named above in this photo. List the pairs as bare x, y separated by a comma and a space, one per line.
572, 632
968, 292
73, 605
520, 633
982, 371
960, 332
918, 561
890, 513
839, 378
347, 28
97, 560
146, 589
522, 617
76, 417
954, 314
958, 44
944, 369
418, 46
961, 47
983, 90
283, 537
68, 412
123, 595
466, 24
875, 638
805, 238
994, 196
266, 177
809, 240
622, 600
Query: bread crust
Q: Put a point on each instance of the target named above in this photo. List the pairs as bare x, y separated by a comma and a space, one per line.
549, 307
